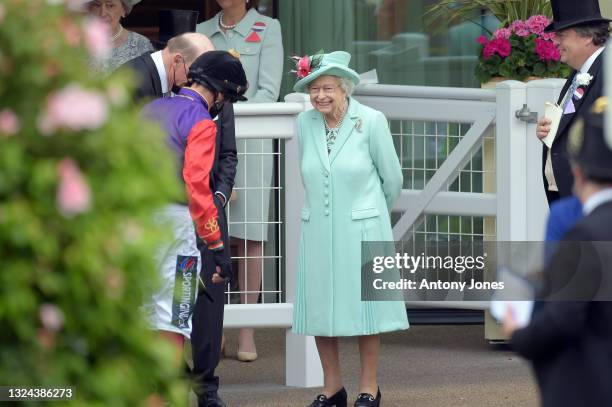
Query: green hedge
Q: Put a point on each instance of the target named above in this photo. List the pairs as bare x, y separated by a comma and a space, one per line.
80, 179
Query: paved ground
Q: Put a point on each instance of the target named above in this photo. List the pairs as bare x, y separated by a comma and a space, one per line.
446, 366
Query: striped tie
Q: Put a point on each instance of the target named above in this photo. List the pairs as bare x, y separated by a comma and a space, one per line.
570, 93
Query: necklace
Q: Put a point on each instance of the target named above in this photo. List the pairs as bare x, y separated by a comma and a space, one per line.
119, 32
331, 133
225, 27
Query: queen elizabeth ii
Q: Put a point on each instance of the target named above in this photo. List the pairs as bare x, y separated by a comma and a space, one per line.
352, 176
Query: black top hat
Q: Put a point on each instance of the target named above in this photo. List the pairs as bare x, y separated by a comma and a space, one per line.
175, 22
587, 145
220, 71
570, 13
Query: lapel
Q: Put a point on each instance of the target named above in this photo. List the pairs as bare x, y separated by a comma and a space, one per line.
154, 75
317, 134
566, 119
352, 115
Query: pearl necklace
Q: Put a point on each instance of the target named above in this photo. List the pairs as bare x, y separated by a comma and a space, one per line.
225, 27
118, 34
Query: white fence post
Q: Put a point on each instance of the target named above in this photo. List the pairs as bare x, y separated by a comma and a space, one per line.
303, 367
511, 157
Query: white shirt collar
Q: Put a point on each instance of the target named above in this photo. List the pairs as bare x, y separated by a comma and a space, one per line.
161, 70
589, 62
596, 200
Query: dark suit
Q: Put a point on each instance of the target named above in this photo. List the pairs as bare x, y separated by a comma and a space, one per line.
570, 342
148, 81
207, 327
559, 155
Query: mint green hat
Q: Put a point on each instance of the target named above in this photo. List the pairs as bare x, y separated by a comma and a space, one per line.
335, 64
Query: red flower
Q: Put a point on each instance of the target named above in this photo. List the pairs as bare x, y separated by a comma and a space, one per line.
501, 46
303, 67
546, 50
482, 40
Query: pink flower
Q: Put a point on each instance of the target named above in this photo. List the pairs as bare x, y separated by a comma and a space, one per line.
504, 33
73, 194
51, 316
520, 28
548, 36
97, 38
500, 46
482, 40
546, 50
503, 47
537, 24
9, 122
73, 108
71, 32
303, 67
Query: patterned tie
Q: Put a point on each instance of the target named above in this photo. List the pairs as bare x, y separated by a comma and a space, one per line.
570, 93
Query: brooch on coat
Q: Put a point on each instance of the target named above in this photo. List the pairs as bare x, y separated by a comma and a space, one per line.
358, 124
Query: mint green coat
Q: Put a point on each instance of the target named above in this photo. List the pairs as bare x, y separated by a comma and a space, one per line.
258, 39
348, 197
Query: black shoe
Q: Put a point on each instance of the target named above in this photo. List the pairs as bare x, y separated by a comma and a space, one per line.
337, 400
367, 400
211, 399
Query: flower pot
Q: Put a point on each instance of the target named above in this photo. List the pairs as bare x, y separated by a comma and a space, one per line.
494, 81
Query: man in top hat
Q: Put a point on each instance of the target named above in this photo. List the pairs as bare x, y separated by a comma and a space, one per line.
581, 35
569, 339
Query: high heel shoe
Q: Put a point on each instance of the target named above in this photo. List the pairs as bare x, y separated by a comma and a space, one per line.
368, 400
246, 356
337, 400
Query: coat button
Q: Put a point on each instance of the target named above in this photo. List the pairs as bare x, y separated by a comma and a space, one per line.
326, 183
326, 212
326, 192
327, 202
326, 174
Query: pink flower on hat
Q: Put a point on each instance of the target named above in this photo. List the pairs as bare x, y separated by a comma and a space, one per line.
97, 38
73, 108
73, 194
303, 67
9, 123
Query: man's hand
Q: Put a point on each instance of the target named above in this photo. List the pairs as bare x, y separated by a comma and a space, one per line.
509, 325
543, 127
223, 267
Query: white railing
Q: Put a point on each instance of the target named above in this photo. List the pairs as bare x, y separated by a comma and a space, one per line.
516, 202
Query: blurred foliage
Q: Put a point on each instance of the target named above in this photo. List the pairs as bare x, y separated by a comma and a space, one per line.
72, 288
506, 11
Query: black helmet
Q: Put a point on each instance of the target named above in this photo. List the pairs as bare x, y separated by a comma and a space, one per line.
222, 72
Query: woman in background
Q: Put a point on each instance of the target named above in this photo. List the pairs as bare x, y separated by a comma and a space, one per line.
258, 40
127, 45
